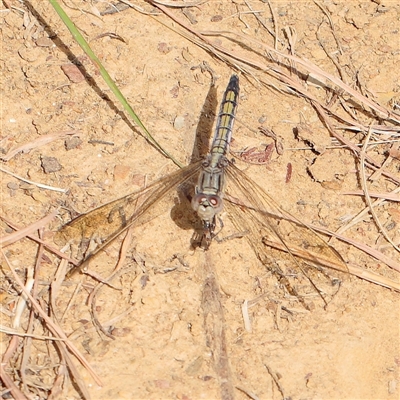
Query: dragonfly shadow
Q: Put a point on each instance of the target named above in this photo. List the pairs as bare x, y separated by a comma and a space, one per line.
201, 143
182, 212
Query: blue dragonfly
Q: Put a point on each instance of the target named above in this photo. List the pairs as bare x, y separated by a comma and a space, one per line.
309, 260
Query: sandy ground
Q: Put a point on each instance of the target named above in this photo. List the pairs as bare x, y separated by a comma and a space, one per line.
350, 350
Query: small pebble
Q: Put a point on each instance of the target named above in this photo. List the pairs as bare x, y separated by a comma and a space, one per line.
179, 122
13, 185
138, 180
45, 42
121, 172
216, 18
392, 386
39, 197
163, 48
120, 332
262, 119
73, 73
72, 143
50, 164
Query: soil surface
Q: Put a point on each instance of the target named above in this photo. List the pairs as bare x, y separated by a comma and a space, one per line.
153, 308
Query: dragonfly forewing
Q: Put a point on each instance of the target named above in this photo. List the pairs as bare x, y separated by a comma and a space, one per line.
105, 223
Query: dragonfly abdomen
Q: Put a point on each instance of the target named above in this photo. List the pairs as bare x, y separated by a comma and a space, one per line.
209, 191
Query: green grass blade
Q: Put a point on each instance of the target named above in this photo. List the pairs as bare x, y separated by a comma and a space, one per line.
86, 48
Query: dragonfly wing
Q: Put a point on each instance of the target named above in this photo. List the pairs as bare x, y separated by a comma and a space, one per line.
105, 223
306, 262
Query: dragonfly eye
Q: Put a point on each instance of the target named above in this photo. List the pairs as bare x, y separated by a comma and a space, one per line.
215, 201
197, 201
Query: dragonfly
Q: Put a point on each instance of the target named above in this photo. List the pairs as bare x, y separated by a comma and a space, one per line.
300, 259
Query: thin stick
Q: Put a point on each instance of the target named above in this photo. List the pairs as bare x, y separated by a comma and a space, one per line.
255, 13
367, 196
40, 185
179, 4
21, 233
39, 142
21, 304
11, 331
32, 274
40, 241
330, 24
276, 29
323, 261
71, 300
248, 393
392, 196
8, 382
372, 163
56, 330
117, 271
276, 381
229, 55
353, 269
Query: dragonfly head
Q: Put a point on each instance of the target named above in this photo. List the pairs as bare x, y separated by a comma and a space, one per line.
207, 206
